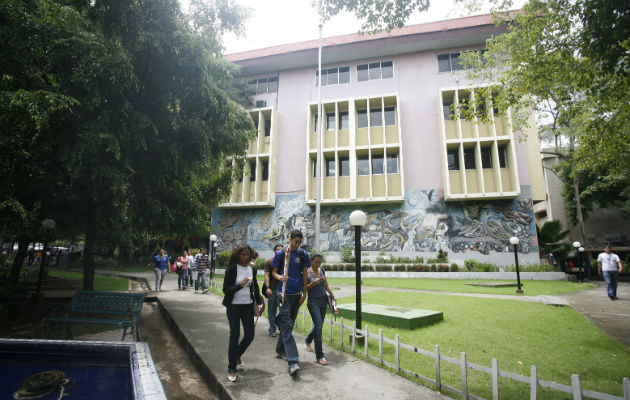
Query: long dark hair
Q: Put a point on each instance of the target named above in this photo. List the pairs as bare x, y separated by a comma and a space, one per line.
236, 253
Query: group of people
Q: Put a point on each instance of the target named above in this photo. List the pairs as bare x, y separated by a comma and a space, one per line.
191, 270
290, 277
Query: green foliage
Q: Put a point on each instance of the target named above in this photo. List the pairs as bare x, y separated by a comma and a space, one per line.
454, 267
549, 237
393, 260
476, 266
374, 14
383, 268
531, 268
400, 268
222, 259
346, 254
260, 263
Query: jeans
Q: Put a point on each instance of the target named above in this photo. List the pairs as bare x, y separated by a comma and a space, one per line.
189, 280
159, 277
318, 313
272, 309
237, 313
285, 319
182, 275
201, 280
611, 278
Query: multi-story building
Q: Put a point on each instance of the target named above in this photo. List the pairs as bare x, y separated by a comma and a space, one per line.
394, 145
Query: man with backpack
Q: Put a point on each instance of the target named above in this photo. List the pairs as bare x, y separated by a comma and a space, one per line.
270, 293
289, 268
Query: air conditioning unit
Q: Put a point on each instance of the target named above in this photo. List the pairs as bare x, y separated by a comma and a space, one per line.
261, 103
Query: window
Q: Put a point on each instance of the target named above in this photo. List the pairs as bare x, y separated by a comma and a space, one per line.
330, 121
362, 120
449, 62
344, 122
267, 128
376, 117
469, 158
344, 166
503, 156
363, 165
264, 85
392, 163
377, 165
252, 170
453, 159
375, 70
447, 109
463, 108
333, 76
265, 171
390, 116
330, 167
256, 124
314, 167
486, 157
315, 122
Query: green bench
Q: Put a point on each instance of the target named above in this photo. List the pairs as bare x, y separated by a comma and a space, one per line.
107, 308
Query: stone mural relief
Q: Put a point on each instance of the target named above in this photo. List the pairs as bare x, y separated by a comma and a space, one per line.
423, 223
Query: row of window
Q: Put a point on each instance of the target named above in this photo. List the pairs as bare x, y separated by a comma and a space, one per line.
450, 62
449, 111
267, 125
377, 115
264, 85
363, 165
469, 158
252, 171
365, 72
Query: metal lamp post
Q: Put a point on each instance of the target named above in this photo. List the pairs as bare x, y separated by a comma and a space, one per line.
213, 246
358, 219
48, 225
514, 242
579, 260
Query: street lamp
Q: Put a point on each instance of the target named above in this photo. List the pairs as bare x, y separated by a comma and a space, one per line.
579, 260
514, 242
358, 219
48, 225
213, 246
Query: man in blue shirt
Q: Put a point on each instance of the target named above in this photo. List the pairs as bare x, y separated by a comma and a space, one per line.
291, 297
161, 263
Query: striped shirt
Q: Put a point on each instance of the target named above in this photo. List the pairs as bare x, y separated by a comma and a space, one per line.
202, 263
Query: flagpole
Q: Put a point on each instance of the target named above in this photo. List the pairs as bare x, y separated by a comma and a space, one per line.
320, 124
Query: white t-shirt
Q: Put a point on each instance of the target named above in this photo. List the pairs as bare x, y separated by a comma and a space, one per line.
609, 261
242, 295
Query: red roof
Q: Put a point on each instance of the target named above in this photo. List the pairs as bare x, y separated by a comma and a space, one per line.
458, 23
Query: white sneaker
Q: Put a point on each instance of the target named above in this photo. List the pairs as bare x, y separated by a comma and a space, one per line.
240, 366
232, 378
294, 368
196, 292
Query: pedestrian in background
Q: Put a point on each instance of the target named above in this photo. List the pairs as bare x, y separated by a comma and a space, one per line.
607, 263
181, 266
271, 293
241, 296
201, 263
191, 265
161, 263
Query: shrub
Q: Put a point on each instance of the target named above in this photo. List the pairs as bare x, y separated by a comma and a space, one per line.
425, 268
346, 255
400, 268
442, 256
223, 258
367, 268
454, 267
105, 263
443, 268
470, 264
349, 267
260, 263
433, 268
383, 268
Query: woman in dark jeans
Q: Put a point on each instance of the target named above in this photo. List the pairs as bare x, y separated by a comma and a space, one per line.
240, 288
317, 304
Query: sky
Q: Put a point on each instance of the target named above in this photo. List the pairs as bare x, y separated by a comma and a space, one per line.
275, 22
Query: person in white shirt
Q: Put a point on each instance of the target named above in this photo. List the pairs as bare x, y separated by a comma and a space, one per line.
607, 263
191, 264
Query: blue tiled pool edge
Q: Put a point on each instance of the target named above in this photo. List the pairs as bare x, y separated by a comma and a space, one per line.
146, 382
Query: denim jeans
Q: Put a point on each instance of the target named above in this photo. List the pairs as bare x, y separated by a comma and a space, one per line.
182, 275
272, 309
237, 313
159, 277
611, 278
189, 276
201, 281
285, 319
318, 314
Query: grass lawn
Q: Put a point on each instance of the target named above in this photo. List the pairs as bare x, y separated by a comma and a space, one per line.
101, 283
530, 288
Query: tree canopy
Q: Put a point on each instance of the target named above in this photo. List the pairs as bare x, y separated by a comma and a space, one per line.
116, 117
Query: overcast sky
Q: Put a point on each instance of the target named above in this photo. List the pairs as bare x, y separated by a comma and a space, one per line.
274, 22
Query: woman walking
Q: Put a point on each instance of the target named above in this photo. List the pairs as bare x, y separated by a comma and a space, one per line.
241, 290
317, 303
181, 265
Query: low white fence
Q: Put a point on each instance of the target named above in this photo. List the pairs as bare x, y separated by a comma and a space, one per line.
534, 383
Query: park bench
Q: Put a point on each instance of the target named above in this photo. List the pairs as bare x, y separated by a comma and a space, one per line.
108, 308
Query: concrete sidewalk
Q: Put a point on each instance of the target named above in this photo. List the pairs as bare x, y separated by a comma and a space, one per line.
201, 324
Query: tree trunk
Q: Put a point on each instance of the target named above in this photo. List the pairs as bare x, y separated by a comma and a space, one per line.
578, 208
18, 261
88, 260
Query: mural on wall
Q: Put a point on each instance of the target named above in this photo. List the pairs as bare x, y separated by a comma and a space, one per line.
423, 223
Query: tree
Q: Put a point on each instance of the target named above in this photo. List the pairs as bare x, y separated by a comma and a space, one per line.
141, 143
549, 240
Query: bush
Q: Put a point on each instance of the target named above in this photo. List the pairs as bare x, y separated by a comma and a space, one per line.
349, 267
383, 268
367, 268
105, 263
443, 268
346, 254
260, 263
426, 268
433, 268
454, 267
400, 268
223, 258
